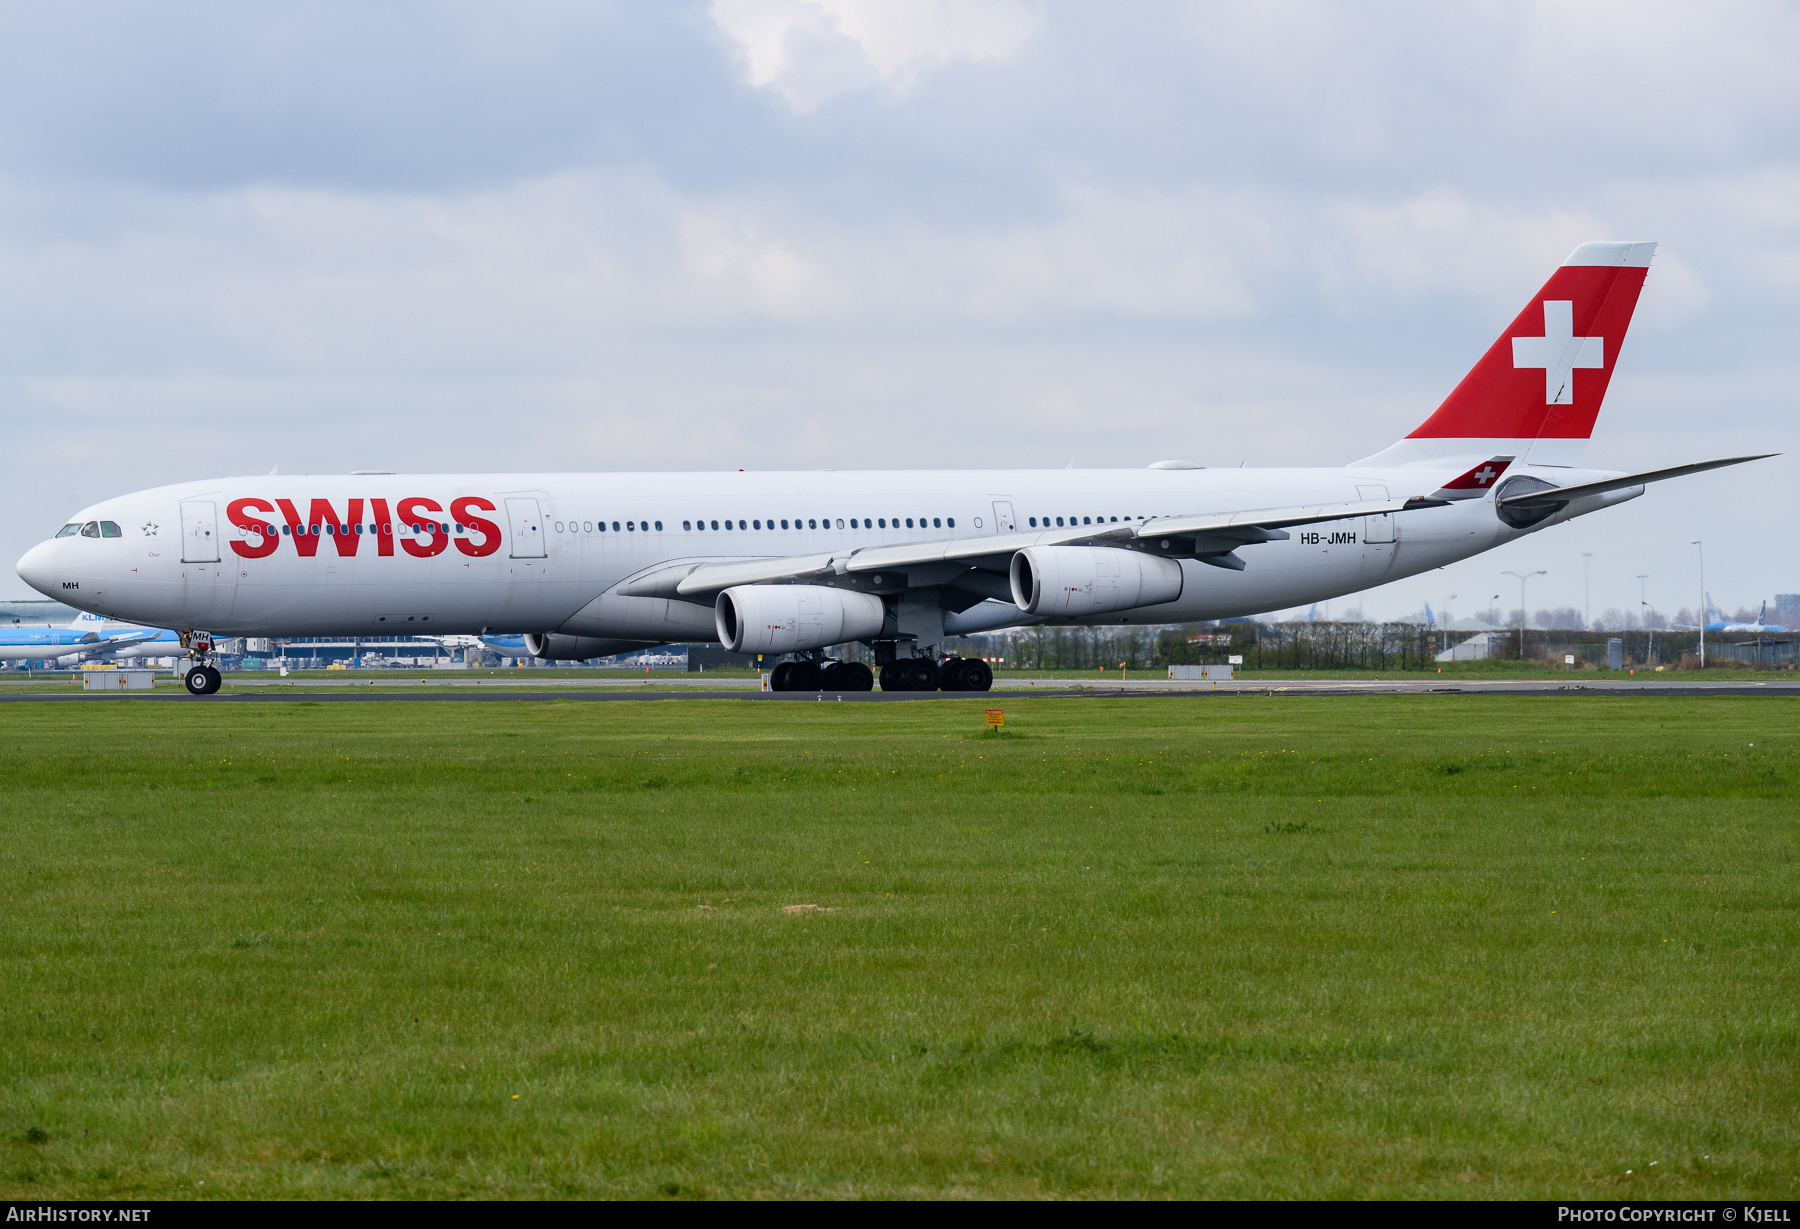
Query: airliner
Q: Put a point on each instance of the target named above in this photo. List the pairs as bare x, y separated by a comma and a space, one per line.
787, 565
86, 638
1721, 624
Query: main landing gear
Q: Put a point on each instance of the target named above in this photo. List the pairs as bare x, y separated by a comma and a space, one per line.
925, 674
898, 674
807, 675
202, 678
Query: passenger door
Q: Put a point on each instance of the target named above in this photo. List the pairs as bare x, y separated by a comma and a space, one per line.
527, 526
1003, 516
199, 531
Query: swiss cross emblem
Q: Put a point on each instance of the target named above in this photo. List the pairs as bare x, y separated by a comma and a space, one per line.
1559, 352
1484, 475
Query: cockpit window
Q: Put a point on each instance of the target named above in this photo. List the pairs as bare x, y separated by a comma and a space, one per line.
69, 530
110, 529
91, 529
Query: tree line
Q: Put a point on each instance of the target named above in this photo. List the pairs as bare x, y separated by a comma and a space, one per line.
1317, 645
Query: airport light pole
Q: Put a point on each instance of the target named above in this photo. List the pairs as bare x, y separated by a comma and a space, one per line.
1644, 614
1587, 594
1522, 578
1702, 550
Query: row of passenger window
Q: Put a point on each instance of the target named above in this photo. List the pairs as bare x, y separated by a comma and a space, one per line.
815, 522
864, 522
330, 529
826, 522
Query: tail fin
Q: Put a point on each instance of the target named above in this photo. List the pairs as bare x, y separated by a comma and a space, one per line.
87, 621
1537, 391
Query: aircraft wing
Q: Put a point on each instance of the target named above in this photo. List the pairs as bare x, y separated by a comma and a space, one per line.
90, 645
1562, 494
1205, 537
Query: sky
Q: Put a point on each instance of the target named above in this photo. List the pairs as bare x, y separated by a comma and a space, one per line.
836, 234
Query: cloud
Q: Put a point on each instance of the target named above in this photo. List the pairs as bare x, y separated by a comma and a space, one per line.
809, 51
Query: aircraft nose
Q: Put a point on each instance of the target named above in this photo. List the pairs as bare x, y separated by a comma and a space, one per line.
38, 568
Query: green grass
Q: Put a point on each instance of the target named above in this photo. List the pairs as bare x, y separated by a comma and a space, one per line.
1384, 946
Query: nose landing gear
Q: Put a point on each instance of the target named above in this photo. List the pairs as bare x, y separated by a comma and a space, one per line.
202, 678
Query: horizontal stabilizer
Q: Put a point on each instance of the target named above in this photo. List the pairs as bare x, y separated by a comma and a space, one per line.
1563, 494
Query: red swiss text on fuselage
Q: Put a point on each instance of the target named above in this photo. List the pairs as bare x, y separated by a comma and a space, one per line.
489, 531
422, 532
384, 542
429, 536
267, 538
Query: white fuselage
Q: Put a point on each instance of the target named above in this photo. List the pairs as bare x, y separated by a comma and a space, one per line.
525, 553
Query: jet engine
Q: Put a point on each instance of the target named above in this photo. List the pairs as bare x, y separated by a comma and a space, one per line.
793, 618
552, 646
1070, 581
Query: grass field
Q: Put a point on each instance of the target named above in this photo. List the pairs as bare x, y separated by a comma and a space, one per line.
1382, 946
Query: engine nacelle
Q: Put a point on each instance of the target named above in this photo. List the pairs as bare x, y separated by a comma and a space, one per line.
794, 618
1070, 581
554, 646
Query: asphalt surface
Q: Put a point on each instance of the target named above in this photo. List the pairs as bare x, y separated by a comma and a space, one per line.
352, 692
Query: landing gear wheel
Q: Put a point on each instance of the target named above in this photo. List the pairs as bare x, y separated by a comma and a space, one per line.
202, 681
950, 674
854, 676
917, 674
831, 676
803, 676
977, 676
890, 678
778, 677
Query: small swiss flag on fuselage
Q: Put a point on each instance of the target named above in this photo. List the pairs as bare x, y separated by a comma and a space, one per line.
1476, 483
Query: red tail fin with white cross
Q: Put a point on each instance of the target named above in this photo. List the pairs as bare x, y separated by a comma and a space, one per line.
1537, 391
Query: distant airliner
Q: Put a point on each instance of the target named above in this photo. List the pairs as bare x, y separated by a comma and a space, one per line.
86, 639
1721, 625
789, 564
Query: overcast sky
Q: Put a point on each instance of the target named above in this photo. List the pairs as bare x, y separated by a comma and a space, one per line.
835, 234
